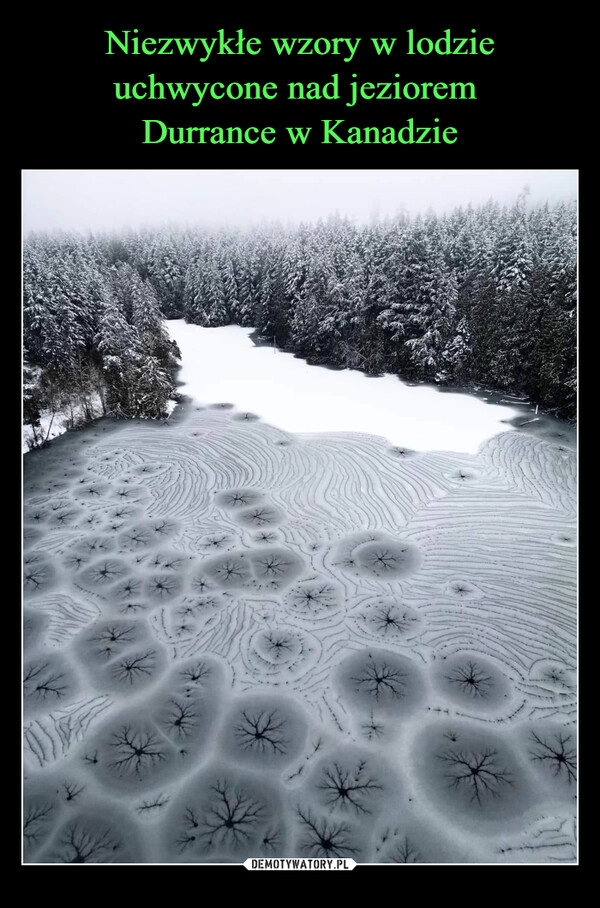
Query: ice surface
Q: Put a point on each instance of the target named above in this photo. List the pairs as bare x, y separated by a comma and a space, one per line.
241, 641
223, 365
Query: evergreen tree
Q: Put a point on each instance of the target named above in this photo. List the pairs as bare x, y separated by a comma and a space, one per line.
484, 294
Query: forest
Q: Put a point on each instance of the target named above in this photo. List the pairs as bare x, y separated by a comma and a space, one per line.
484, 295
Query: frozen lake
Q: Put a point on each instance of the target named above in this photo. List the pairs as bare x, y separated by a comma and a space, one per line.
224, 365
244, 642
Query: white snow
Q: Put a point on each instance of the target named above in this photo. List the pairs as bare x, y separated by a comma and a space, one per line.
223, 365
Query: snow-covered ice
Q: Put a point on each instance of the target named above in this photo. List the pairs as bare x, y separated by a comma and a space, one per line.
224, 365
244, 642
240, 642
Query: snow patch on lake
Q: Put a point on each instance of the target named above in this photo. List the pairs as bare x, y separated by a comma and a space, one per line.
223, 365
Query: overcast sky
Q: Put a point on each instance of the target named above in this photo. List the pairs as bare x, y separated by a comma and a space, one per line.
112, 199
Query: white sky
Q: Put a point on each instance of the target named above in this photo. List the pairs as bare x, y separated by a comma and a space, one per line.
112, 199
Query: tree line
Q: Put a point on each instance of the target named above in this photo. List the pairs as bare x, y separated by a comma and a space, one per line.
94, 337
479, 295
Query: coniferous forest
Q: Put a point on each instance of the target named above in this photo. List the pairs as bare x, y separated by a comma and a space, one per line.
480, 295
